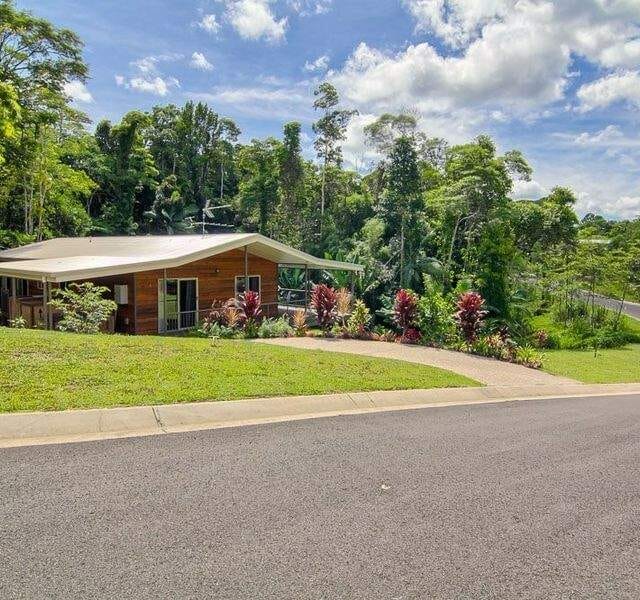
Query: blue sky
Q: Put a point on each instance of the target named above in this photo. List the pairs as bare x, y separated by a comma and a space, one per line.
559, 80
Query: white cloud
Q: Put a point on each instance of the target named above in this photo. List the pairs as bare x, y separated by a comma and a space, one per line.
76, 90
625, 54
528, 190
320, 65
617, 87
607, 135
210, 23
513, 56
307, 8
254, 20
199, 61
148, 77
456, 21
490, 72
293, 101
156, 85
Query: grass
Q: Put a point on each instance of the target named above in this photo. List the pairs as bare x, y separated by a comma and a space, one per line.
47, 370
616, 365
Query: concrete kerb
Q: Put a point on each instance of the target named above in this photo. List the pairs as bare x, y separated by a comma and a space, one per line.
21, 429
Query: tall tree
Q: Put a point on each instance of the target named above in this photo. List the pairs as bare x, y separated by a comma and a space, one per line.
401, 203
330, 130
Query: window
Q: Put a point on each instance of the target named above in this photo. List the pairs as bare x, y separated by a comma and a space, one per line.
254, 284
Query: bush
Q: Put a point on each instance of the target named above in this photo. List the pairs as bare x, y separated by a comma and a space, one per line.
18, 322
275, 328
529, 357
358, 323
405, 310
435, 315
218, 331
83, 306
410, 336
323, 301
299, 322
470, 315
343, 305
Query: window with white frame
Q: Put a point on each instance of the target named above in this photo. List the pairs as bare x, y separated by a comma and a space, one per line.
255, 284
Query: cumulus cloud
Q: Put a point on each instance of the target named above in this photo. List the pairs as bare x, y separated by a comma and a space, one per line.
617, 87
154, 85
199, 61
607, 135
147, 77
286, 102
528, 190
307, 8
255, 20
511, 56
77, 91
210, 24
320, 65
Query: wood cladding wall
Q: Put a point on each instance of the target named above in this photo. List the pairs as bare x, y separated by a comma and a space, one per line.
216, 281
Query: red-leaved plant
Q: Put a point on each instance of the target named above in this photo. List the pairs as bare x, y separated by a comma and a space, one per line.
470, 315
323, 301
249, 305
405, 310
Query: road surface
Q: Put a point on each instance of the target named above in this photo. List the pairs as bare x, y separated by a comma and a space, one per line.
630, 309
536, 499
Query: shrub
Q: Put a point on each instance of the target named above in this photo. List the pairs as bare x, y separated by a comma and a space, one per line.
299, 322
343, 305
323, 301
542, 339
470, 315
275, 328
410, 336
222, 316
529, 357
18, 322
83, 306
217, 331
250, 311
435, 315
358, 323
405, 310
495, 346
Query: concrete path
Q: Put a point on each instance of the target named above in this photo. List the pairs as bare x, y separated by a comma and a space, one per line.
34, 428
484, 370
527, 500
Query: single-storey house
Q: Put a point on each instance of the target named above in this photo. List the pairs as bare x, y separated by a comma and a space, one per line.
160, 283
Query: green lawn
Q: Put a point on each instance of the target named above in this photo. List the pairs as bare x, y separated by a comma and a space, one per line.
46, 370
618, 365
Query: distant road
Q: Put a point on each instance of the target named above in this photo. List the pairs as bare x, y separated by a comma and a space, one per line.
536, 499
631, 309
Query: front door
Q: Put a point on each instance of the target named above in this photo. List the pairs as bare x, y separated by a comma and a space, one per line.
188, 303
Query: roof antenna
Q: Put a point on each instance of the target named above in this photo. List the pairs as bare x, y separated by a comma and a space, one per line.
207, 211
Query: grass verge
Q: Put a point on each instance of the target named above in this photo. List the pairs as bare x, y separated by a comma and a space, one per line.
616, 365
48, 370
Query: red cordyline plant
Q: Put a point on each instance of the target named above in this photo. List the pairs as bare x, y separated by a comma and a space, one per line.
470, 315
405, 310
249, 305
323, 301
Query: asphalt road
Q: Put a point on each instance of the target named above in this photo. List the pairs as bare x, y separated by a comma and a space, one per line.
536, 499
630, 309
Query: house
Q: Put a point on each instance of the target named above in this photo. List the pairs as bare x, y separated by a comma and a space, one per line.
160, 283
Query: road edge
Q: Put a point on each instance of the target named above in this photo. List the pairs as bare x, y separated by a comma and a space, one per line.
40, 428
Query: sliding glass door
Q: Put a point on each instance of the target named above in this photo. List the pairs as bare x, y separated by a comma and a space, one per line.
177, 304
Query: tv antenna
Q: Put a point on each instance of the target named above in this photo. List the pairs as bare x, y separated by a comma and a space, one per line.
207, 211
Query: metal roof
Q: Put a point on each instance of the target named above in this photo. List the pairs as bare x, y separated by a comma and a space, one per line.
69, 259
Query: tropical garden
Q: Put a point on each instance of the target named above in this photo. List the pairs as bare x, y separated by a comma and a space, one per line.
450, 258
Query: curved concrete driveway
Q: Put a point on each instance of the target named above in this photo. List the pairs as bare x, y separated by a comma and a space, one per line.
485, 370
